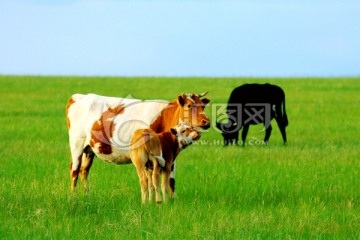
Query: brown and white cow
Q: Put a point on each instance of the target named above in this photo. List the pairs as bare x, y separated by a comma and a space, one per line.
103, 126
154, 153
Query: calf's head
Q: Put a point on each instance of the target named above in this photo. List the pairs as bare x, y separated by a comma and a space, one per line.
185, 134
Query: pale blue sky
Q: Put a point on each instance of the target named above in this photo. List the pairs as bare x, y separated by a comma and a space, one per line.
284, 38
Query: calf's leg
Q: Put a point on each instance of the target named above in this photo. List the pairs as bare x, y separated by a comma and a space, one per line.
171, 180
164, 184
155, 179
141, 171
144, 185
149, 175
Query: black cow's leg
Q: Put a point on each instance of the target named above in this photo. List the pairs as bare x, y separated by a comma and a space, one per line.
244, 133
236, 141
267, 134
282, 128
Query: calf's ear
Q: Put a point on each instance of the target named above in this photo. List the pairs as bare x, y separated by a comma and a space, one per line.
173, 131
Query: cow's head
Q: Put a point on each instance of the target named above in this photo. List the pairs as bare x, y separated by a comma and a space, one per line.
230, 132
192, 112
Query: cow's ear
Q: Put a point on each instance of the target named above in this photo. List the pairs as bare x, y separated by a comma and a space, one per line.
205, 101
181, 100
173, 131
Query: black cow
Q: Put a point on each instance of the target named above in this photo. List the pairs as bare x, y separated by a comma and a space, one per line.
254, 104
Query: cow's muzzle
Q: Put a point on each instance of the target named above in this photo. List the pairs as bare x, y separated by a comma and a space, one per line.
205, 124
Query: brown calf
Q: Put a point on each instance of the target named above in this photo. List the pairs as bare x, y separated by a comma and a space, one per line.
153, 153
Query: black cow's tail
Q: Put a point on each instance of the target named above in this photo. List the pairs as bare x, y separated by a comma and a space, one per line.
284, 117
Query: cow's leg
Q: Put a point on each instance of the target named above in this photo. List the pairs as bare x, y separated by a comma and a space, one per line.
236, 138
87, 159
281, 125
155, 180
76, 148
267, 134
172, 180
244, 133
74, 172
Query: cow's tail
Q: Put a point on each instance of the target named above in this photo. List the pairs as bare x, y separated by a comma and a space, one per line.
284, 117
157, 156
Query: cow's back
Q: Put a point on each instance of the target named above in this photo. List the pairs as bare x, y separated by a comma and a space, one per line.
84, 110
257, 93
107, 123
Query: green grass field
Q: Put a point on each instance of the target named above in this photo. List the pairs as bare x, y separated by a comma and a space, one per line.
308, 189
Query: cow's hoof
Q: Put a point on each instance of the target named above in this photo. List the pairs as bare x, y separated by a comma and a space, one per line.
158, 202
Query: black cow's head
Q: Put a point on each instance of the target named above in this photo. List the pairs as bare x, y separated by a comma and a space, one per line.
230, 132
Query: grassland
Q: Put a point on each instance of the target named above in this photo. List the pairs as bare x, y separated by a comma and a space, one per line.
309, 189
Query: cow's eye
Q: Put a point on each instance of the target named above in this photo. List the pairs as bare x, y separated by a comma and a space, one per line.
183, 131
189, 106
